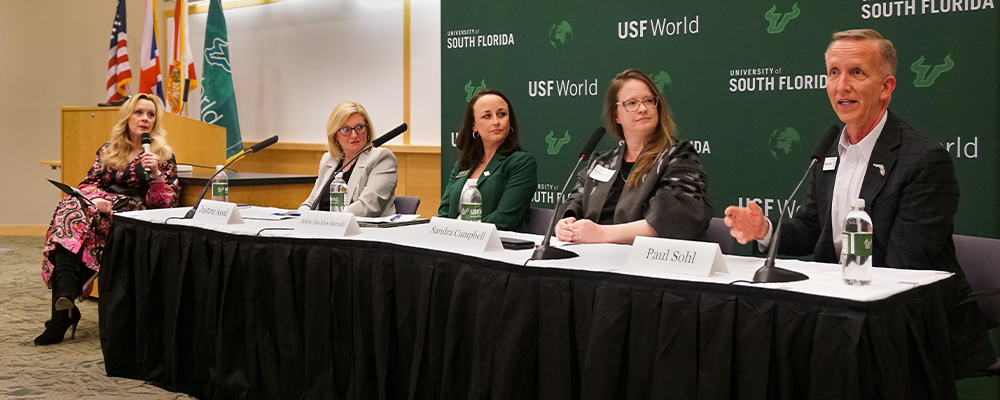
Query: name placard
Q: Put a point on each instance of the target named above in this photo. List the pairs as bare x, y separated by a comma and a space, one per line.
218, 212
327, 224
678, 256
463, 235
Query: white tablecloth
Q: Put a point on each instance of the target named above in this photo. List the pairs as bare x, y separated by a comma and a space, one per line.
824, 279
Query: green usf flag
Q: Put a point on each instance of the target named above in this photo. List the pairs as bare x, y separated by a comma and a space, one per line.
218, 100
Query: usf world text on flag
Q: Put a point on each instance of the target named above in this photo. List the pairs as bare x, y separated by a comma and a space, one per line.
218, 101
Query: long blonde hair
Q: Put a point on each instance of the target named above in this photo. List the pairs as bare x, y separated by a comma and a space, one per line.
116, 154
340, 114
662, 137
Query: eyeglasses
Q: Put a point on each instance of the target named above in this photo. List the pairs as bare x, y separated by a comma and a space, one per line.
633, 105
361, 129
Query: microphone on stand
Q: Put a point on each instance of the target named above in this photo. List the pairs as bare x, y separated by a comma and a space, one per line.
378, 142
253, 149
769, 272
184, 99
544, 251
146, 141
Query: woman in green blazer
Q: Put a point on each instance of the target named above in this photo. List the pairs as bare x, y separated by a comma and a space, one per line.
491, 156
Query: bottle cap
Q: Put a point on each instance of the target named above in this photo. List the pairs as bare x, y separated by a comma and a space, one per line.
340, 175
218, 167
858, 203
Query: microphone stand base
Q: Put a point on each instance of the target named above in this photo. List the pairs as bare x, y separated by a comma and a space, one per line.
772, 274
551, 253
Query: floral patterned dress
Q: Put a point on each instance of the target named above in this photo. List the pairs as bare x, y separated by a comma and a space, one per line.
78, 226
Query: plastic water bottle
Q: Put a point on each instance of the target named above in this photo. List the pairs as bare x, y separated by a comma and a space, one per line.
471, 206
220, 185
338, 193
856, 253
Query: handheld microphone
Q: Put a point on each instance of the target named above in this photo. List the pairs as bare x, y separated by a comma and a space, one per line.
544, 251
769, 272
145, 146
253, 149
378, 142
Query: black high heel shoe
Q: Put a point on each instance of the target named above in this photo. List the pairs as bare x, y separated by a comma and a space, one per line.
55, 328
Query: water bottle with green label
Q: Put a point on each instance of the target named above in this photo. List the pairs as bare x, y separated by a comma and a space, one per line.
338, 193
220, 185
856, 253
471, 206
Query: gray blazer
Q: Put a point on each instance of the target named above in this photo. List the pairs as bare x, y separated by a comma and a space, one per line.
371, 190
672, 196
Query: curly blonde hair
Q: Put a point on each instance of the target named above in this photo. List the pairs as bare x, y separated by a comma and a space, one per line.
120, 145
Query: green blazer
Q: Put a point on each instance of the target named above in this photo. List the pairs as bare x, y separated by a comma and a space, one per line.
507, 184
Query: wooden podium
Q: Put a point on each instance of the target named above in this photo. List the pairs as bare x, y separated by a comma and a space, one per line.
85, 129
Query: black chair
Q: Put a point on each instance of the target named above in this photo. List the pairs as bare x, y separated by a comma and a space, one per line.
979, 259
538, 220
718, 232
407, 204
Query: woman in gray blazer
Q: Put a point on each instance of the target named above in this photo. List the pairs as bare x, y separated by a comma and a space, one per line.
650, 185
371, 179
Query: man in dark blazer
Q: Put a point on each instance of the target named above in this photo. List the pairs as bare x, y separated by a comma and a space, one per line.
906, 179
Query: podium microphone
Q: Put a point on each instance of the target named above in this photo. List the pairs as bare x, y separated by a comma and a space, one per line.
769, 272
253, 149
146, 141
378, 142
184, 100
544, 251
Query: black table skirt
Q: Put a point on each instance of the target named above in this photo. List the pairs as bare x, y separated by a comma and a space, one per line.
226, 316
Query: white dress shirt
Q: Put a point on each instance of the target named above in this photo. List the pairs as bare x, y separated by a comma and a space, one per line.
850, 175
851, 168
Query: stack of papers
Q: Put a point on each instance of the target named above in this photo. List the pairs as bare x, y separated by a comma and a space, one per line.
392, 220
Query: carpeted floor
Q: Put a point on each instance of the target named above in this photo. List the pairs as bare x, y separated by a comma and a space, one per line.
70, 370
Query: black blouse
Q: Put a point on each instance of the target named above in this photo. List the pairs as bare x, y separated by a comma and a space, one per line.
323, 203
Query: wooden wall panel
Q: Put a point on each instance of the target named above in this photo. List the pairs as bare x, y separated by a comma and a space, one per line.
281, 196
418, 168
85, 129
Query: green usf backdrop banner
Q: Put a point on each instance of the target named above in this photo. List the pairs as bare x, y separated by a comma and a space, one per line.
744, 79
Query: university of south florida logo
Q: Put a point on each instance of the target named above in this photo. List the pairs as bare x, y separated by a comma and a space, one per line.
218, 54
778, 21
472, 90
663, 81
784, 142
926, 74
556, 144
560, 33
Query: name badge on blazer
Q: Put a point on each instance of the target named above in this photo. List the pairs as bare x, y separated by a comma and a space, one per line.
602, 174
830, 164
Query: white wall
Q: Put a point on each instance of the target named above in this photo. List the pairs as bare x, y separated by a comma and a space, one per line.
425, 75
289, 66
294, 61
53, 53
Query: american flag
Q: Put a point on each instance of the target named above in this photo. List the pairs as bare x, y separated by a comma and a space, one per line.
119, 71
